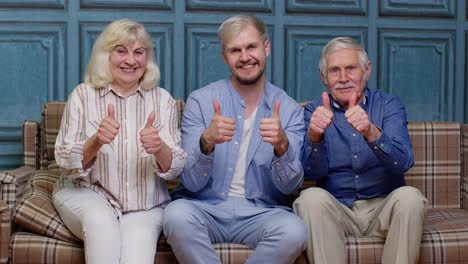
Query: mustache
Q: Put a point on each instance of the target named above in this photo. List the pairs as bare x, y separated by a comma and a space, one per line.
348, 84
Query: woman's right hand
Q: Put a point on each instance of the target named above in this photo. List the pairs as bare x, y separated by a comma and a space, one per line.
109, 127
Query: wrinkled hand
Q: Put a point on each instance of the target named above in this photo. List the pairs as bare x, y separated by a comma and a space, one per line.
272, 131
359, 119
321, 118
109, 127
221, 129
149, 136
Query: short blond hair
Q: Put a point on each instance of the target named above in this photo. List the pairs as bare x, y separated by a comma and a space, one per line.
233, 25
120, 32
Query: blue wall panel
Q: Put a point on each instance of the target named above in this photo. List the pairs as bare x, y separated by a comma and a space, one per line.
230, 5
417, 48
303, 48
355, 7
431, 8
418, 66
32, 74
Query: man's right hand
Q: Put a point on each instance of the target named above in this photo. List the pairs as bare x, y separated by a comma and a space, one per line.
109, 127
321, 118
219, 131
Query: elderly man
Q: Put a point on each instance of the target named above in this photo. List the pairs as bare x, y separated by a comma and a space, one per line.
243, 156
357, 149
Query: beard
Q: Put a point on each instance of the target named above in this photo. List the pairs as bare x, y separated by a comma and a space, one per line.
248, 80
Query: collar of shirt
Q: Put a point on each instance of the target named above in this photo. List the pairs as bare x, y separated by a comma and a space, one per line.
268, 95
337, 106
104, 91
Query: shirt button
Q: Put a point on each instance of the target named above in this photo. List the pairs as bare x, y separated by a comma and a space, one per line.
354, 134
357, 176
205, 174
222, 193
279, 179
277, 164
381, 145
395, 163
310, 148
315, 149
236, 142
308, 168
355, 156
375, 147
239, 116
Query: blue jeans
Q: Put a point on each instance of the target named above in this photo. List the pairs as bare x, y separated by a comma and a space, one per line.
276, 235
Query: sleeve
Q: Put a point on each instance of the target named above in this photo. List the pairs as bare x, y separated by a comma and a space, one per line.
170, 134
198, 166
314, 155
393, 147
71, 138
287, 170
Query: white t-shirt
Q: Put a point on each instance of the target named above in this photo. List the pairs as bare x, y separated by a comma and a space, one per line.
237, 188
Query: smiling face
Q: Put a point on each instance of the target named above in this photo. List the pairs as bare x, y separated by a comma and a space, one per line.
345, 75
127, 65
245, 54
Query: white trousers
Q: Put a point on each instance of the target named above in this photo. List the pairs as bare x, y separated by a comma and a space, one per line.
89, 216
398, 217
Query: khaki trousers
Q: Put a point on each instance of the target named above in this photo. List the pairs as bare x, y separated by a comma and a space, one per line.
398, 217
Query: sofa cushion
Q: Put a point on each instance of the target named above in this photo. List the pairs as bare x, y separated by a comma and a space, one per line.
27, 247
32, 248
35, 211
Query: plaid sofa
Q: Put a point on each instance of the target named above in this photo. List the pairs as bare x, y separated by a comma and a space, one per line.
32, 232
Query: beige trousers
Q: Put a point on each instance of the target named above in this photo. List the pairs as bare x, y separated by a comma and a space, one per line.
398, 217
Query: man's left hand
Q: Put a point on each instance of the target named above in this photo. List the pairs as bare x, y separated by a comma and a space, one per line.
273, 133
359, 120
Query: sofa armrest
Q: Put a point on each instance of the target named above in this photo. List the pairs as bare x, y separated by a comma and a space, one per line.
31, 144
5, 231
464, 168
12, 184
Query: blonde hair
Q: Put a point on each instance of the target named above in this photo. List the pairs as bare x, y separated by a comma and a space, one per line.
120, 32
236, 24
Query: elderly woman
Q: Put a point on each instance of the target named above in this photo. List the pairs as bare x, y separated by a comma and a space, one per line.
118, 144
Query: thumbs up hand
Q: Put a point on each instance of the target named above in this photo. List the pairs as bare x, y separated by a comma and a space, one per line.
359, 119
321, 118
272, 131
220, 130
109, 127
149, 136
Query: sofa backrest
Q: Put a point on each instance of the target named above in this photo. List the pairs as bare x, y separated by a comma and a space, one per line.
437, 169
436, 145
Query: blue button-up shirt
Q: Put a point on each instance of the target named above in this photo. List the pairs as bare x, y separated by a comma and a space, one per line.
348, 166
268, 178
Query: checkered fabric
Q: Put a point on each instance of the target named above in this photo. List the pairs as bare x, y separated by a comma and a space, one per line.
35, 249
31, 143
441, 158
50, 125
5, 231
35, 211
437, 162
464, 183
32, 248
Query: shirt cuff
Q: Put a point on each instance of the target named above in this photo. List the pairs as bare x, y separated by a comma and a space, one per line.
177, 164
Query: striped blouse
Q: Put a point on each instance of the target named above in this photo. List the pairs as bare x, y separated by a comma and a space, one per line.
122, 171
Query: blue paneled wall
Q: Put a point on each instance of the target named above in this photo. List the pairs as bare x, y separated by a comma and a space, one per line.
417, 48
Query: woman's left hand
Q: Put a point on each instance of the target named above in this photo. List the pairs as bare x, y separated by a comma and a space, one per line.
149, 136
